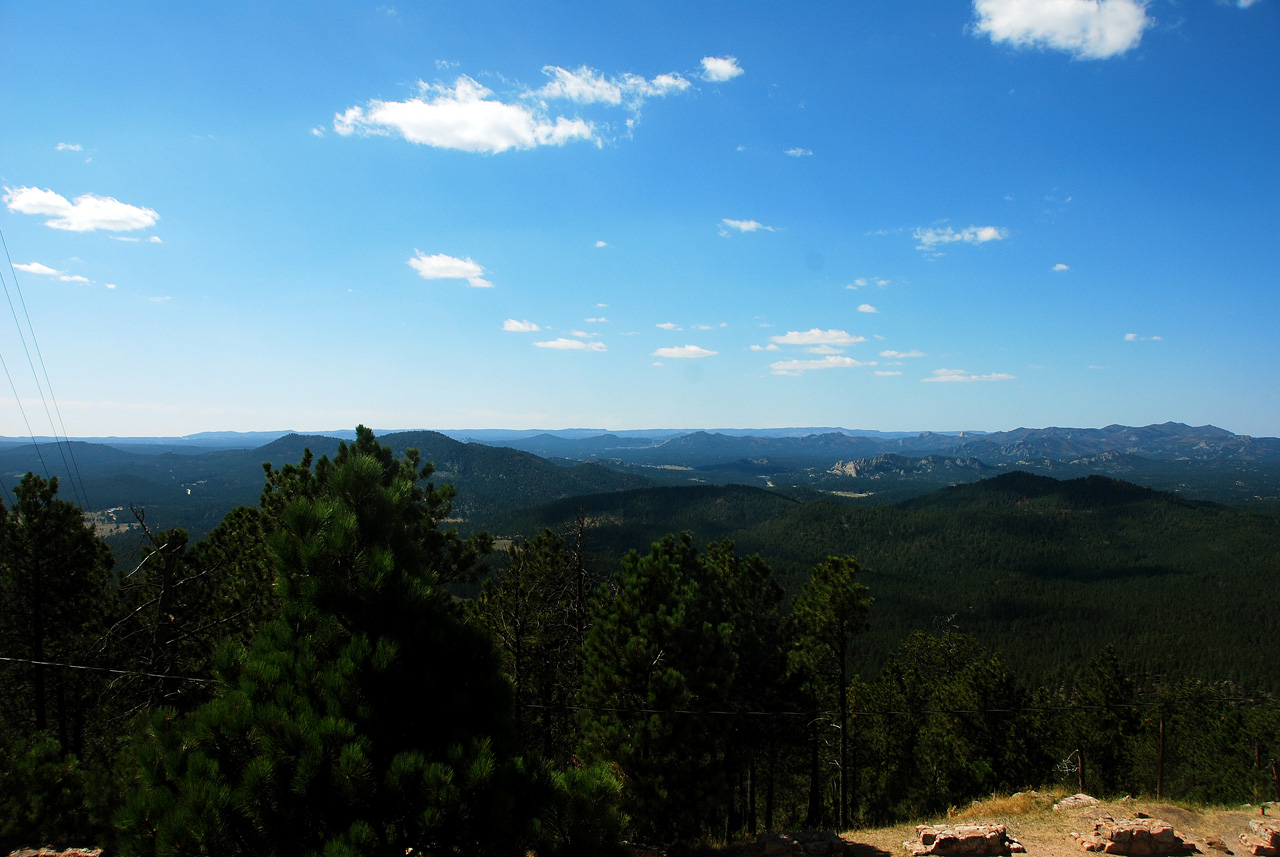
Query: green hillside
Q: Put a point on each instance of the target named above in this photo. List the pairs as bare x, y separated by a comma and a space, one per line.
1048, 572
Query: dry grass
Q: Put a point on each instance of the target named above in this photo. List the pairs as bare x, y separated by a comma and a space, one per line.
1007, 806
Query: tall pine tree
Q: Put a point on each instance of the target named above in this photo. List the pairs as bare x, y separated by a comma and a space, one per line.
367, 719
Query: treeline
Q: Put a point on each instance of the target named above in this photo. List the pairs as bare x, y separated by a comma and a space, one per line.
304, 682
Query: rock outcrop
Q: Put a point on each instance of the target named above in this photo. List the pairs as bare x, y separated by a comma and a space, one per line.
1075, 802
969, 840
1263, 838
1139, 837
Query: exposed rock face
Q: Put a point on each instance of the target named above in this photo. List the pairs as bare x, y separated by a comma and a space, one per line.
806, 842
1139, 837
903, 466
1263, 838
964, 840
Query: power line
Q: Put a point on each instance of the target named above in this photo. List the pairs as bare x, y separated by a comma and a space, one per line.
73, 470
88, 668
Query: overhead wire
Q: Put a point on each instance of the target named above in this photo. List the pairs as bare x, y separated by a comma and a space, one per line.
89, 668
72, 468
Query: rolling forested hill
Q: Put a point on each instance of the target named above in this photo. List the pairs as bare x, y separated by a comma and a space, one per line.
1048, 572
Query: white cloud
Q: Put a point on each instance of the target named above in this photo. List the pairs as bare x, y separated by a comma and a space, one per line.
89, 212
525, 326
462, 117
1061, 267
442, 267
37, 268
128, 239
683, 351
601, 244
798, 152
67, 147
1245, 4
154, 239
1133, 337
563, 344
887, 372
770, 347
1086, 29
317, 131
867, 308
959, 375
744, 226
898, 355
596, 320
930, 238
582, 334
588, 86
796, 367
817, 337
669, 325
824, 349
111, 285
73, 278
719, 69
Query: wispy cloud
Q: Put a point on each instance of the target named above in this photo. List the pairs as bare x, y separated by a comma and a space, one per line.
887, 372
798, 367
602, 244
863, 282
720, 69
442, 267
68, 147
1061, 267
468, 116
900, 355
932, 237
770, 347
37, 268
817, 336
600, 320
588, 86
669, 325
88, 213
867, 308
961, 376
563, 344
798, 152
683, 352
743, 226
515, 326
1086, 29
1133, 337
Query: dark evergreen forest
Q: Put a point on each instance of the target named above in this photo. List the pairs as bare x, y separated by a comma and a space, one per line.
338, 670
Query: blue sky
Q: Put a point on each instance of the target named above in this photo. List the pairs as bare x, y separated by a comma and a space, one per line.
883, 215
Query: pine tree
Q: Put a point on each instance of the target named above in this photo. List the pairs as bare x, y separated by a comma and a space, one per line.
658, 654
55, 591
369, 718
828, 613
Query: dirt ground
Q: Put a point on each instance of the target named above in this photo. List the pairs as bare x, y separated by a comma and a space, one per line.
1031, 820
